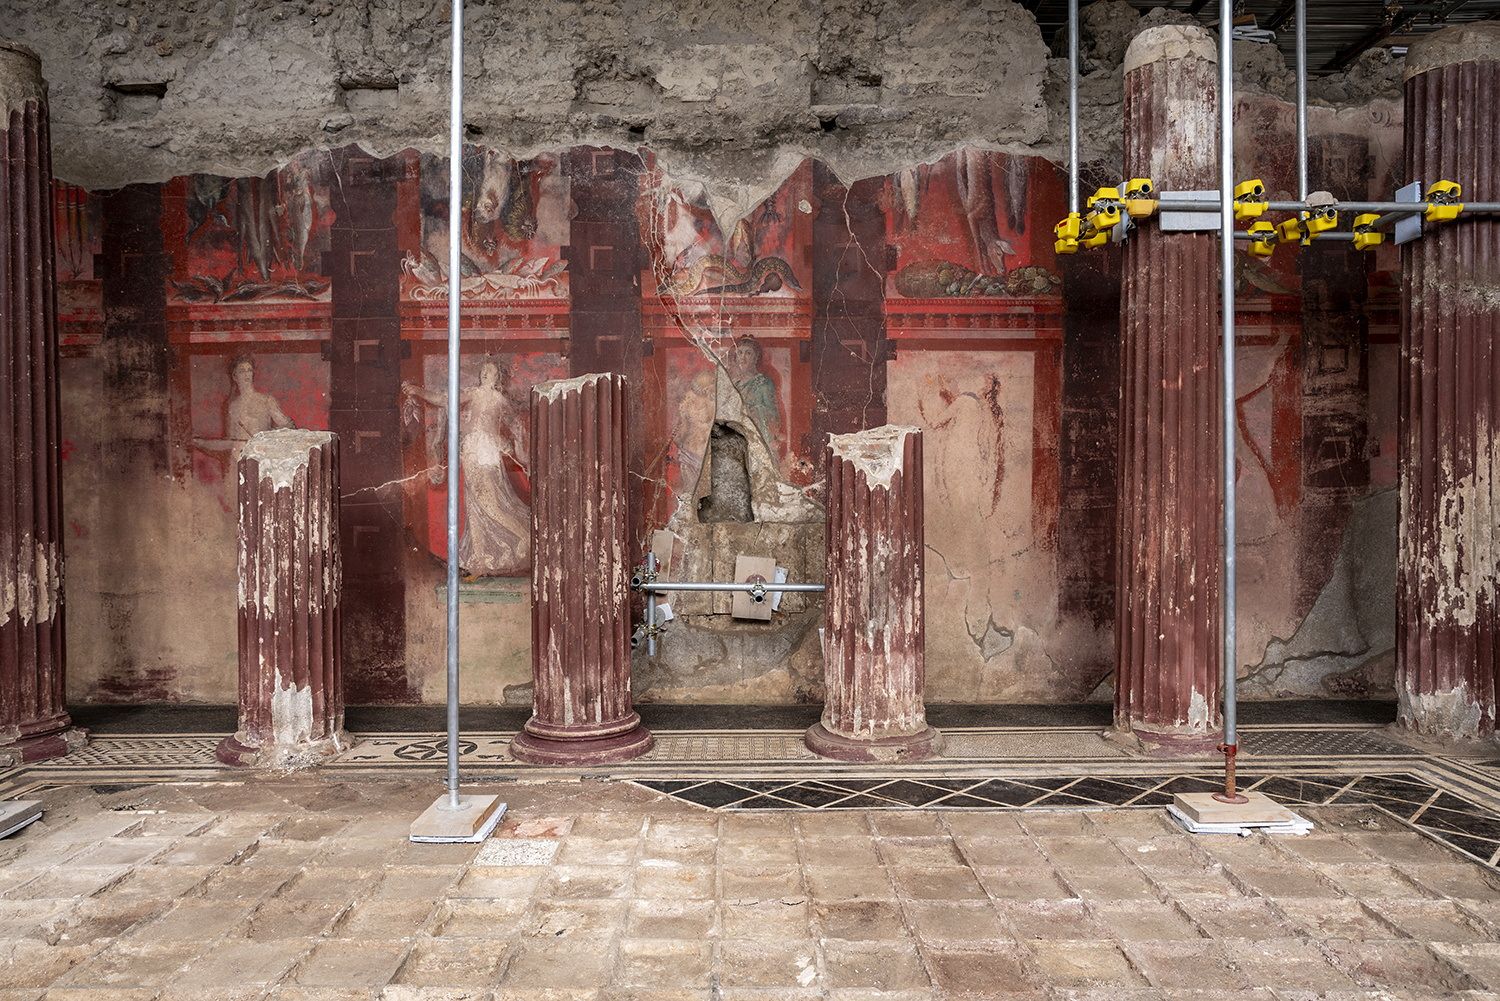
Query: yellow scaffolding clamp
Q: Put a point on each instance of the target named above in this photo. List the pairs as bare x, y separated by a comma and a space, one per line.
1262, 239
1291, 231
1067, 233
1443, 204
1249, 199
1366, 236
1098, 238
1104, 212
1140, 197
1323, 219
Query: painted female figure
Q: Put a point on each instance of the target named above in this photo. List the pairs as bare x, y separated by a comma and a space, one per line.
496, 538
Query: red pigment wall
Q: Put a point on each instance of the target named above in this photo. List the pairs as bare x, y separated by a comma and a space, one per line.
197, 311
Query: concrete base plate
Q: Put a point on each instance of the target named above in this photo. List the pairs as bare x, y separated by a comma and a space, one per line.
17, 813
471, 823
1200, 813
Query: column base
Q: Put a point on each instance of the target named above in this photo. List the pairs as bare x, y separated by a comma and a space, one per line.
581, 747
919, 746
1165, 743
39, 743
242, 752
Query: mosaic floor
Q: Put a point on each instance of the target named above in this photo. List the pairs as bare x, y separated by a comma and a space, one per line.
1452, 799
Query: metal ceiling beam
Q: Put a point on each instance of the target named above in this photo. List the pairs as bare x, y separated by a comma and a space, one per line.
1402, 19
1282, 15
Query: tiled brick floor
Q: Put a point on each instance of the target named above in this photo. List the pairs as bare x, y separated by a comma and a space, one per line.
307, 888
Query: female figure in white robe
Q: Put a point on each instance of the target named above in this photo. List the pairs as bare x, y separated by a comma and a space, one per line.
496, 539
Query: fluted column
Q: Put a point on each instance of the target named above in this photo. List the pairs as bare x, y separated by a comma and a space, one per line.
1167, 577
290, 578
873, 665
580, 597
1448, 609
34, 722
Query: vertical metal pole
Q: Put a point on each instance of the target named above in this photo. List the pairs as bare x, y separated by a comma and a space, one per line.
651, 606
1226, 283
455, 223
1302, 100
1072, 106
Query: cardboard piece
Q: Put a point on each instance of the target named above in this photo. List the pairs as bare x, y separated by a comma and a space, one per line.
746, 570
472, 822
1200, 813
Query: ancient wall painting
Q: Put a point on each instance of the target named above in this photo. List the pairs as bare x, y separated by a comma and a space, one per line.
315, 296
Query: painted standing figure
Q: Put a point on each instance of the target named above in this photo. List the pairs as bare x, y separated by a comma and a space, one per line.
496, 538
757, 391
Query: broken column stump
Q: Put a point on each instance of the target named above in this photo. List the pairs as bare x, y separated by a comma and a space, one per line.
1447, 595
291, 695
34, 723
580, 595
1171, 486
873, 661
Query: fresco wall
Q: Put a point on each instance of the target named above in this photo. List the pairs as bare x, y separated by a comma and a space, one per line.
201, 310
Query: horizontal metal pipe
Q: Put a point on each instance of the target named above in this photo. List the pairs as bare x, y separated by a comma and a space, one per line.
713, 586
1169, 204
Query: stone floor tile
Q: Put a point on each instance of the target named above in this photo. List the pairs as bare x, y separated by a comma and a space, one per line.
540, 963
1049, 919
877, 994
1398, 966
1241, 918
351, 963
777, 918
319, 883
755, 963
1056, 823
101, 994
1036, 883
470, 964
992, 972
104, 918
499, 918
1280, 879
1144, 920
889, 966
832, 823
124, 850
41, 920
1187, 965
613, 993
579, 850
585, 882
132, 965
1187, 883
1326, 849
1118, 882
421, 853
496, 881
768, 882
671, 919
235, 883
194, 920
959, 923
597, 921
69, 881
847, 851
415, 882
242, 962
35, 964
278, 919
281, 854
1089, 851
771, 994
983, 824
1458, 880
1427, 920
1480, 960
908, 824
1368, 879
1001, 853
177, 992
693, 826
1282, 963
835, 883
760, 853
1336, 918
384, 919
360, 852
1133, 823
922, 853
504, 993
1086, 963
948, 883
856, 920
91, 828
661, 880
745, 825
664, 963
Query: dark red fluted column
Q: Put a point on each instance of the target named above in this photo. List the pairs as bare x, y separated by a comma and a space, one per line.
1167, 578
290, 579
34, 723
1448, 615
873, 663
580, 597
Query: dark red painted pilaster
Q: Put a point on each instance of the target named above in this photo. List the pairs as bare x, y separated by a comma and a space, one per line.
581, 560
34, 723
1448, 584
873, 661
1167, 581
291, 691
